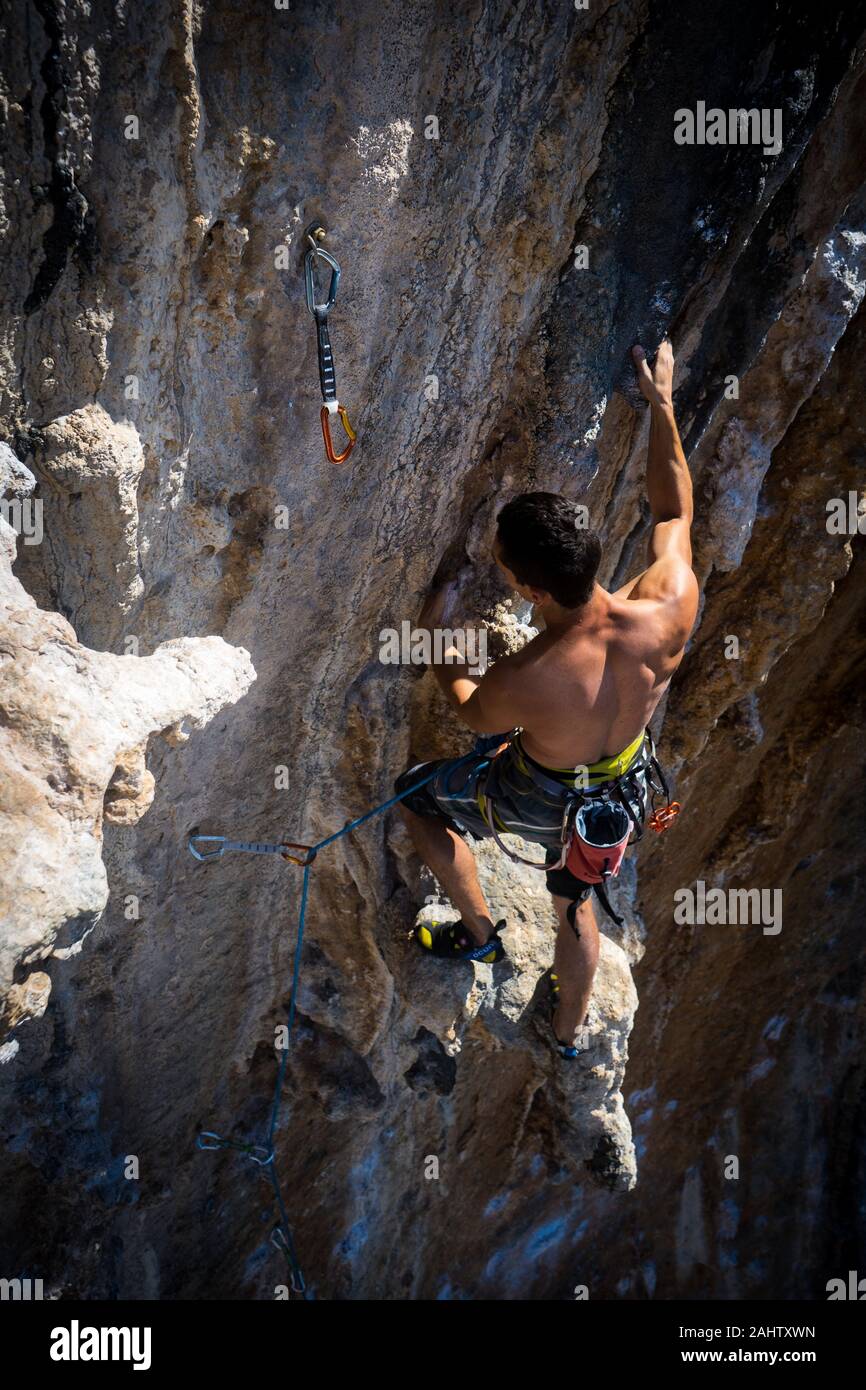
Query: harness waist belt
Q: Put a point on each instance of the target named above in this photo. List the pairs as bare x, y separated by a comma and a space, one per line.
595, 776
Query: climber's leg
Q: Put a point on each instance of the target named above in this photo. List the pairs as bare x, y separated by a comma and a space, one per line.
450, 859
575, 960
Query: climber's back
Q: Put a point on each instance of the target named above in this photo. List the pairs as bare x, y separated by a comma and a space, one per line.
586, 688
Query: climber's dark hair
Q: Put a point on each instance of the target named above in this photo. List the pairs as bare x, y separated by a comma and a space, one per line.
544, 545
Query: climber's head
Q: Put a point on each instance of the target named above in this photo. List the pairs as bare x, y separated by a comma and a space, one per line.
544, 550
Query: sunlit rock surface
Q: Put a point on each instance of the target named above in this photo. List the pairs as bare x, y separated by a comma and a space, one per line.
159, 383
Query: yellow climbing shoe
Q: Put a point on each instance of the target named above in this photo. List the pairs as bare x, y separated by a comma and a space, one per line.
451, 941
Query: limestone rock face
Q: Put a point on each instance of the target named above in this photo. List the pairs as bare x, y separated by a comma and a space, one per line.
72, 754
503, 190
89, 469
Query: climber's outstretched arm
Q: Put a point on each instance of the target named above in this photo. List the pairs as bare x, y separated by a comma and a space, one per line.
669, 577
668, 481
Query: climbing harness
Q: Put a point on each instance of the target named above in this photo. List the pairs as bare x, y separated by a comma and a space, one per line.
597, 822
320, 309
265, 1154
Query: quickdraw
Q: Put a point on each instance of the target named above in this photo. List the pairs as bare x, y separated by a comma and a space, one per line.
222, 845
257, 1152
320, 309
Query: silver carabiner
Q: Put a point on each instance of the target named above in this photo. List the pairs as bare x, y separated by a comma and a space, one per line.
310, 284
209, 1134
208, 854
258, 1153
296, 1278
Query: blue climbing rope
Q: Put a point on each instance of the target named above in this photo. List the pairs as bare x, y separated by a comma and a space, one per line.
265, 1154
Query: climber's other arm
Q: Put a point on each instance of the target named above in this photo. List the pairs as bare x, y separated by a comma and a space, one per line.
485, 703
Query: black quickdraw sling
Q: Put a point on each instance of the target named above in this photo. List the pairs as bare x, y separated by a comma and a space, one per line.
320, 309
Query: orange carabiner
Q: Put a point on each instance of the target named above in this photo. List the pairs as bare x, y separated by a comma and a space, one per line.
664, 817
326, 432
291, 844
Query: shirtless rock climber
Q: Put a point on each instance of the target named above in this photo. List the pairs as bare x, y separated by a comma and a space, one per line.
576, 699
